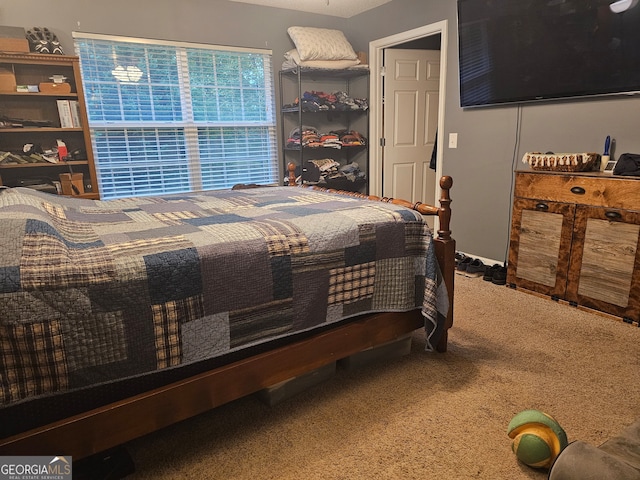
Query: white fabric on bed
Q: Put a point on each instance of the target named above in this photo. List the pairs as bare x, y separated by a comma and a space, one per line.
321, 44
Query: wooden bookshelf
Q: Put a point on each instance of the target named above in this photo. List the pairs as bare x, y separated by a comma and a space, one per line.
38, 111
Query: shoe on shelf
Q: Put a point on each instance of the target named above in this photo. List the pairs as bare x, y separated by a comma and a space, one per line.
475, 268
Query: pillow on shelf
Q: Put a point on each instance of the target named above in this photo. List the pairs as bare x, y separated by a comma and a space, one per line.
321, 44
292, 59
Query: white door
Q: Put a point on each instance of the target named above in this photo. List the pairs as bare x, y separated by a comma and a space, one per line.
410, 112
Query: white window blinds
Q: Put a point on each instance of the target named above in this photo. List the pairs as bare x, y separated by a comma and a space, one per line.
169, 117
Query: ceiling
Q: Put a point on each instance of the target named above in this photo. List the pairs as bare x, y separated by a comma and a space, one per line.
336, 8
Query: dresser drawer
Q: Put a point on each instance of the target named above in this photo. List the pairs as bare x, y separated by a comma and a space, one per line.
594, 189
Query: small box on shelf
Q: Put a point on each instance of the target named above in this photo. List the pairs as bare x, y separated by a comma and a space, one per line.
72, 183
13, 39
57, 88
27, 88
7, 80
14, 45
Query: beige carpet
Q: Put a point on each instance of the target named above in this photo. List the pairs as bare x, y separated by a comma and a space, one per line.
425, 416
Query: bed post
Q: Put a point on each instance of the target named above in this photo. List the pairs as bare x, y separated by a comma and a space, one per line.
445, 248
291, 168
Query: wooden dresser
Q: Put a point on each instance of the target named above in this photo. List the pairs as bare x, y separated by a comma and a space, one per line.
574, 237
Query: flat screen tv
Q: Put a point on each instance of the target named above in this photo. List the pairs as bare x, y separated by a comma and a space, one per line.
514, 51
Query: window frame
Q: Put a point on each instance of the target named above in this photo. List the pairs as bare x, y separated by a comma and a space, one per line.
193, 130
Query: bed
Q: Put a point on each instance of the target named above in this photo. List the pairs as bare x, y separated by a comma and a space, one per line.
122, 317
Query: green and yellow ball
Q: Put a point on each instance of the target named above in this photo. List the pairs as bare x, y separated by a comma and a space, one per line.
537, 438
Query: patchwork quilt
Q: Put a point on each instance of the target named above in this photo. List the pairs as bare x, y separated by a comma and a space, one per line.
94, 291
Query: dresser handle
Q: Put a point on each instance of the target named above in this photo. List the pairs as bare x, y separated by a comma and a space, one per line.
542, 206
613, 215
578, 190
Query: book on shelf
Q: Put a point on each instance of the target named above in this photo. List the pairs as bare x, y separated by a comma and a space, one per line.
75, 113
64, 112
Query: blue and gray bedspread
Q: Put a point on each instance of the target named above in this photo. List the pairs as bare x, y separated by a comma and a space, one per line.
94, 291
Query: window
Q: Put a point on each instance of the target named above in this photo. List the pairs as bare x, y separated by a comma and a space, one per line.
169, 117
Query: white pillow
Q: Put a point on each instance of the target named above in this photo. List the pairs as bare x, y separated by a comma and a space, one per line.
293, 60
321, 44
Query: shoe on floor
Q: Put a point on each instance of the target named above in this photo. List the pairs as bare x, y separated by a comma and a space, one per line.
489, 271
475, 268
464, 263
500, 276
460, 257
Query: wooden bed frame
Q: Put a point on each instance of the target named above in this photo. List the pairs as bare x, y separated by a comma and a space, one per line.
112, 425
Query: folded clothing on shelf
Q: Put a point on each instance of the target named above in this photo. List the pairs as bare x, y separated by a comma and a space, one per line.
314, 101
310, 137
328, 172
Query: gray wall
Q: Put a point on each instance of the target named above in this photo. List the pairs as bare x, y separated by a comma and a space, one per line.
488, 145
207, 21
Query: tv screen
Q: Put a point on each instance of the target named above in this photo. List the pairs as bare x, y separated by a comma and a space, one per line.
513, 51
